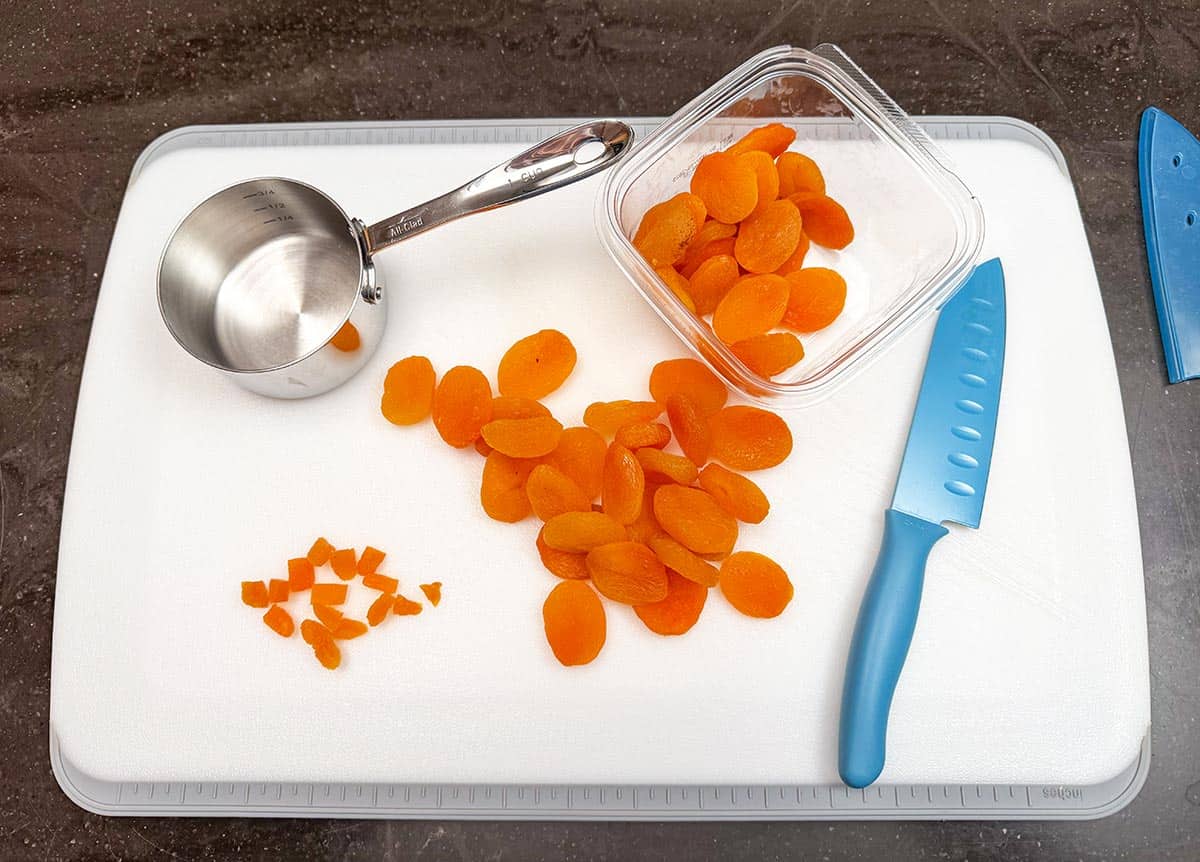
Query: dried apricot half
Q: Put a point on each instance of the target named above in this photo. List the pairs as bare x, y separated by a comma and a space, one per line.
627, 572
748, 438
462, 405
679, 611
693, 518
573, 619
536, 365
755, 584
751, 307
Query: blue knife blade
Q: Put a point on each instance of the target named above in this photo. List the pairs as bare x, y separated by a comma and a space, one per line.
943, 477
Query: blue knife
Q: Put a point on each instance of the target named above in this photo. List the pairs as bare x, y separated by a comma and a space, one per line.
943, 478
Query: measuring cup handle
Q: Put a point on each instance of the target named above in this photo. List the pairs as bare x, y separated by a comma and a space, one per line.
555, 162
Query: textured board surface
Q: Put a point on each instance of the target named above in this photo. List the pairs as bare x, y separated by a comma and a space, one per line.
1029, 663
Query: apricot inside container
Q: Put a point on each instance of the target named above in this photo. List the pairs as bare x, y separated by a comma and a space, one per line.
918, 228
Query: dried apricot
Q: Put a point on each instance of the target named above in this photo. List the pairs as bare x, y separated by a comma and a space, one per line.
711, 281
691, 263
796, 261
383, 583
825, 221
280, 621
320, 552
344, 563
369, 561
255, 594
638, 435
678, 558
502, 488
462, 405
736, 494
607, 416
380, 608
523, 438
728, 187
573, 618
645, 527
711, 231
679, 611
277, 590
551, 492
624, 483
665, 467
481, 446
765, 174
579, 532
690, 427
346, 339
433, 592
408, 391
755, 584
516, 407
667, 229
300, 574
313, 632
798, 173
751, 307
403, 607
565, 564
329, 616
678, 286
627, 572
747, 438
328, 654
693, 518
772, 138
688, 377
580, 455
817, 296
769, 354
768, 237
328, 594
536, 365
348, 629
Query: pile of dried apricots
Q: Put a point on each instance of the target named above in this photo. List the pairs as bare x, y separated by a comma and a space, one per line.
734, 247
663, 519
331, 625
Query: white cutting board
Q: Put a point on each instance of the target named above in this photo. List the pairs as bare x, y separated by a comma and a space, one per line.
1030, 657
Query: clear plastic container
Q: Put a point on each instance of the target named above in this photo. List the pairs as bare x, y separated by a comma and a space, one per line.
918, 229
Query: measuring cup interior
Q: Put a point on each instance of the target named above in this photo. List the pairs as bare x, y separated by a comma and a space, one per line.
260, 275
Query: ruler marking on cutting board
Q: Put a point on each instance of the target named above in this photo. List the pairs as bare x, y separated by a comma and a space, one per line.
730, 802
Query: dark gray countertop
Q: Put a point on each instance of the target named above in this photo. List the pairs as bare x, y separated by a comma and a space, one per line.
84, 87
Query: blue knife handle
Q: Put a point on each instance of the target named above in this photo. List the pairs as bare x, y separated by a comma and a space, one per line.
884, 630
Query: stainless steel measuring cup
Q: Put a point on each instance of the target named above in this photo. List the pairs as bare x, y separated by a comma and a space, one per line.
271, 282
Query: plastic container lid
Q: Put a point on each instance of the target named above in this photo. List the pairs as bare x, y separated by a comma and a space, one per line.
918, 229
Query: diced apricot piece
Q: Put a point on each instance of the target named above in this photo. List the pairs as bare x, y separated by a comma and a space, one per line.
755, 584
536, 365
736, 494
328, 616
627, 572
551, 492
320, 552
798, 173
255, 594
749, 438
565, 564
277, 590
638, 435
383, 583
348, 629
579, 532
825, 220
403, 607
328, 594
769, 354
462, 405
607, 416
408, 391
691, 428
816, 297
300, 574
580, 455
328, 655
693, 518
664, 467
344, 563
751, 307
728, 187
624, 482
573, 618
523, 438
679, 559
369, 561
280, 621
433, 592
768, 237
688, 377
772, 138
679, 611
380, 608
